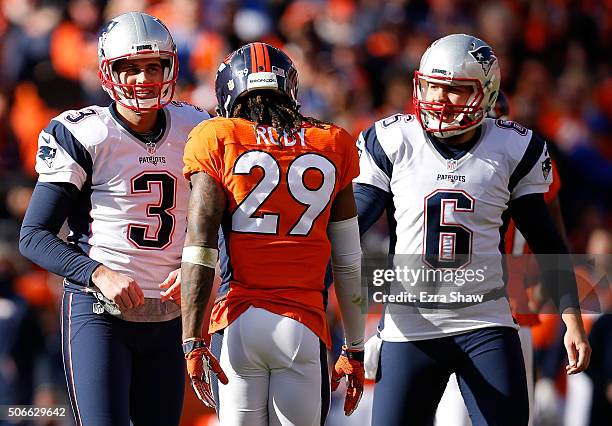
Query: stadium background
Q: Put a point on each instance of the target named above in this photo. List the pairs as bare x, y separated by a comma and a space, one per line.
355, 60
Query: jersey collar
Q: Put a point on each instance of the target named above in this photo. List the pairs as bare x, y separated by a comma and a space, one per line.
150, 140
455, 152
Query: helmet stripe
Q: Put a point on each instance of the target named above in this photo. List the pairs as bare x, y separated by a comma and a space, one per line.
266, 50
253, 58
260, 57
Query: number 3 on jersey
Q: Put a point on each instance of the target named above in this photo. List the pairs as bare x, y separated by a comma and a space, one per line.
447, 244
139, 234
245, 217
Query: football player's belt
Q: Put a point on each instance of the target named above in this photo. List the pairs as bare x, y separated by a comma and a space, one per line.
495, 294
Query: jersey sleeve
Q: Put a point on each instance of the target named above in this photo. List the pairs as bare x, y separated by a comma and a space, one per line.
351, 167
61, 158
202, 153
375, 166
533, 174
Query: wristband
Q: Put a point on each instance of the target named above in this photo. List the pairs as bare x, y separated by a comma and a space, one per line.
189, 345
197, 255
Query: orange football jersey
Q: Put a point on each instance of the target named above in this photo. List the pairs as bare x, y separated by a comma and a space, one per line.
274, 248
523, 270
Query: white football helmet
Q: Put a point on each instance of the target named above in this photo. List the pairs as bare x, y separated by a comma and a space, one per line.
136, 35
457, 59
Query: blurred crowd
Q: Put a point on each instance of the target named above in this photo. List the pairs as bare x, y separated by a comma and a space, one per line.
355, 60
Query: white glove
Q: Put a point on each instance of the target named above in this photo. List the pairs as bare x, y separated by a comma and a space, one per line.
547, 409
372, 353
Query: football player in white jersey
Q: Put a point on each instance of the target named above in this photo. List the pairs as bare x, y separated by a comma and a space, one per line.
451, 178
115, 174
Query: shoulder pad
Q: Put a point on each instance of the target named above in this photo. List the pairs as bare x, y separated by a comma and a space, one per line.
86, 125
187, 113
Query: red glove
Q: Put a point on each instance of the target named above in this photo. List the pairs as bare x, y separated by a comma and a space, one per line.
349, 364
200, 362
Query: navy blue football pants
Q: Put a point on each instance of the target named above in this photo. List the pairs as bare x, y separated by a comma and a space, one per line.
119, 371
489, 364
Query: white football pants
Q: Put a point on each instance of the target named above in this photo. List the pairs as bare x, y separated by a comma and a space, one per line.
277, 371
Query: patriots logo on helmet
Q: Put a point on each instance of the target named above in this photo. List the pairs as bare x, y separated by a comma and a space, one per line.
485, 57
47, 154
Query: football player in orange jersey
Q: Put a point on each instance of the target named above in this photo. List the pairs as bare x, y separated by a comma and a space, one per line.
272, 189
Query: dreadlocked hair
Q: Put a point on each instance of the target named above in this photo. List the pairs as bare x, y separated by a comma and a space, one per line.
265, 107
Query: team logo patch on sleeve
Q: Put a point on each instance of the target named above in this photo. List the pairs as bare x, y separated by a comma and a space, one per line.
47, 154
546, 167
485, 57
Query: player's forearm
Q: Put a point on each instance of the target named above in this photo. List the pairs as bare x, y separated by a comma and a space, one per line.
196, 286
559, 281
346, 266
38, 240
351, 305
51, 253
206, 207
572, 319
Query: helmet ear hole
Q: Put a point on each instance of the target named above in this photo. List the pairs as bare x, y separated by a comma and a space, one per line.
491, 101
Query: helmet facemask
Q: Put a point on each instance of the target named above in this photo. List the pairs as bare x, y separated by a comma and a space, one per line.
445, 119
124, 93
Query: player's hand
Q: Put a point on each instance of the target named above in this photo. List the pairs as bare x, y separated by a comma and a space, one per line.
200, 362
349, 364
172, 287
118, 288
578, 349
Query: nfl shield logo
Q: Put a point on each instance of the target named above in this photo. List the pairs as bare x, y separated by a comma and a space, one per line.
451, 165
151, 148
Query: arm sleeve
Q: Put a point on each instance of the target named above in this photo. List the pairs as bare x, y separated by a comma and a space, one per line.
532, 218
371, 203
38, 240
346, 264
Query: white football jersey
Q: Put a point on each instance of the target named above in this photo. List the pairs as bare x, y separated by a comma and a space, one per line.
450, 219
132, 210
